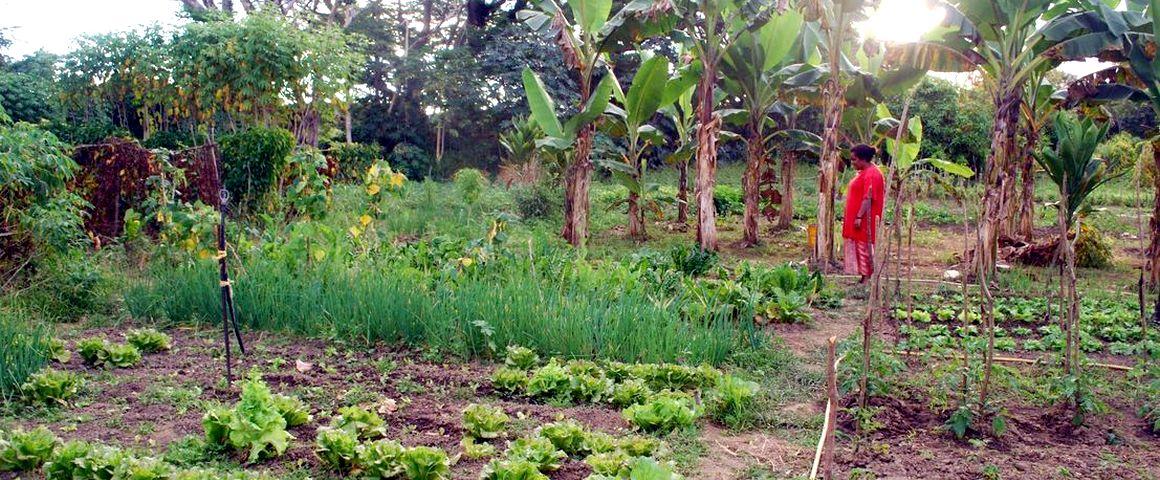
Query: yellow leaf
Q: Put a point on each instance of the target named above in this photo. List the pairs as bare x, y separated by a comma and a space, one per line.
466, 261
354, 232
365, 220
374, 171
397, 180
373, 189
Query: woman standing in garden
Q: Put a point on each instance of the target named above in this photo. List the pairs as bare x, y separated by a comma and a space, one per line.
864, 200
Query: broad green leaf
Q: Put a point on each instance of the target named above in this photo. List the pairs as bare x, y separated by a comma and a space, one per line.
777, 37
596, 106
951, 167
647, 90
541, 105
590, 15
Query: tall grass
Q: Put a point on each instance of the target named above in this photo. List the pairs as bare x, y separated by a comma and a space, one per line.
23, 350
574, 310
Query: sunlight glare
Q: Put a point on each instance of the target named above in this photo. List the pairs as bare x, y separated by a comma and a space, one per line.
901, 21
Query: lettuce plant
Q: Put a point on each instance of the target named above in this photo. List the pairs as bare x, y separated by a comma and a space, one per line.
216, 423
509, 380
337, 449
568, 436
599, 442
293, 409
639, 445
476, 451
99, 352
254, 424
644, 468
629, 392
425, 463
24, 451
730, 398
584, 367
550, 381
589, 388
100, 462
148, 340
143, 468
63, 464
58, 352
51, 387
662, 414
362, 422
537, 450
379, 459
521, 358
484, 422
91, 350
613, 464
512, 470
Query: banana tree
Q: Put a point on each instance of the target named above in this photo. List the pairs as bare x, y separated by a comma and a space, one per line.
1007, 42
585, 33
1039, 105
681, 113
791, 143
650, 90
750, 67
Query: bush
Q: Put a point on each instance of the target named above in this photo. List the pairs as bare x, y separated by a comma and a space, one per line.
412, 160
470, 183
252, 159
1092, 250
72, 286
174, 140
353, 159
727, 200
538, 201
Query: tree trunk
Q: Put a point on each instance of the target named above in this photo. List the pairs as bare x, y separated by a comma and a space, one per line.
788, 164
1027, 207
751, 185
576, 180
636, 228
828, 172
707, 129
1153, 265
683, 193
1002, 150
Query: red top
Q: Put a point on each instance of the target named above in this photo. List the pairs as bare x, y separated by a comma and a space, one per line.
868, 181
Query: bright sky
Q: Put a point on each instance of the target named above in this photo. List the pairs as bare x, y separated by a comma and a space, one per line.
54, 24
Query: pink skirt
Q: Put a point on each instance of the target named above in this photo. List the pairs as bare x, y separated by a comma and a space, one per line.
859, 257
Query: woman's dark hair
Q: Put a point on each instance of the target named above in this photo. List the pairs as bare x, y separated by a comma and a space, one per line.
863, 152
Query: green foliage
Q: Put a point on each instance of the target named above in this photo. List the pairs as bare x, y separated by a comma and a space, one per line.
148, 340
1150, 409
51, 387
337, 449
58, 352
483, 421
425, 463
730, 400
568, 436
353, 159
72, 285
470, 183
550, 381
380, 458
521, 358
63, 464
24, 451
509, 380
1121, 150
512, 470
1072, 165
693, 261
476, 451
728, 201
537, 450
629, 392
307, 187
99, 352
661, 414
538, 201
22, 353
1077, 393
613, 463
411, 160
293, 409
364, 423
252, 159
254, 425
1092, 250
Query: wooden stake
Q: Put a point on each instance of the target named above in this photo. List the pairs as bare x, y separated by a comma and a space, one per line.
824, 456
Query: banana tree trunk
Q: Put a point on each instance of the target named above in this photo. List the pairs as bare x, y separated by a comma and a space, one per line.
707, 129
1153, 266
751, 185
828, 172
1002, 151
788, 164
1027, 205
576, 181
683, 194
636, 228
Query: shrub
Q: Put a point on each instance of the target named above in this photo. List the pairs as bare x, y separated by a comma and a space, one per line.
51, 387
307, 188
410, 159
1092, 250
148, 340
380, 458
537, 201
662, 414
425, 463
337, 448
24, 451
252, 160
37, 210
727, 200
72, 285
470, 183
353, 159
484, 422
174, 140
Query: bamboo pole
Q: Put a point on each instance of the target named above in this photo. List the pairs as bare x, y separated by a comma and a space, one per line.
824, 455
